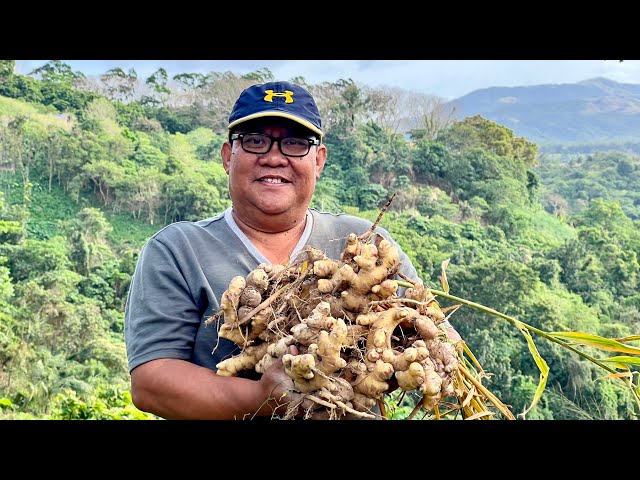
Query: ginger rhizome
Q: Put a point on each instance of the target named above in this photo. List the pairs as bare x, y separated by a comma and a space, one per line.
357, 339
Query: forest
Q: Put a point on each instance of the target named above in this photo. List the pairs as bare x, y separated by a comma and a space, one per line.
91, 167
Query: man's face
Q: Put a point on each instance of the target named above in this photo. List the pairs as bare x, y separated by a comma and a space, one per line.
262, 185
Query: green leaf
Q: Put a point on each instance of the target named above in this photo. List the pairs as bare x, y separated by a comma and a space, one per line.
443, 276
595, 341
622, 361
542, 366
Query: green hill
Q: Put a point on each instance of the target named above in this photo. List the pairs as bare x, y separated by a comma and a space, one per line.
596, 110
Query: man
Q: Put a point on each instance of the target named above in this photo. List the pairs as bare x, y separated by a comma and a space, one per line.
273, 157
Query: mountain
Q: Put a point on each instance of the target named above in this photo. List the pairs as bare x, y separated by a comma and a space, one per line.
590, 111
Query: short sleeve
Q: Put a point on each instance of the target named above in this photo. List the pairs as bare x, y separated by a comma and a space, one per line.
161, 316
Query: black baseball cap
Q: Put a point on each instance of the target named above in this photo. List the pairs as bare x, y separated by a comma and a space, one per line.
277, 99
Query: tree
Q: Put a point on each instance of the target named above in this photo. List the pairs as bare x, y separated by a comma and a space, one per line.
87, 236
625, 167
262, 75
189, 196
386, 155
343, 105
35, 257
58, 87
427, 115
105, 176
118, 85
386, 109
372, 196
218, 97
190, 80
58, 72
54, 150
6, 69
32, 151
20, 86
11, 231
187, 87
160, 92
477, 132
556, 205
430, 161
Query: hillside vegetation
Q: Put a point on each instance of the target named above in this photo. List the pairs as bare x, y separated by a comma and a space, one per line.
91, 168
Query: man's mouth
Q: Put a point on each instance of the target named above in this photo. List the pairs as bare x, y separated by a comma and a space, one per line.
272, 180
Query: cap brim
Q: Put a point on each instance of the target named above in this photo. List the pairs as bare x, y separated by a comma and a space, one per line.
276, 113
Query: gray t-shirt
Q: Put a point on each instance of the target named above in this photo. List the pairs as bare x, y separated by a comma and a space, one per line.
184, 269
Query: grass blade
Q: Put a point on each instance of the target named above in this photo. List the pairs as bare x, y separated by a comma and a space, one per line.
596, 341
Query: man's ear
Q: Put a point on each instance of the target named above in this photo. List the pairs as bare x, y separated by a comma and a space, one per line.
225, 153
321, 158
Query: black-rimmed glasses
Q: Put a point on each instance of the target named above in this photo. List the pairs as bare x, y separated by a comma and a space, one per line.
261, 143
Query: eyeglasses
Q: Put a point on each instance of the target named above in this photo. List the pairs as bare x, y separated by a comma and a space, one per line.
261, 143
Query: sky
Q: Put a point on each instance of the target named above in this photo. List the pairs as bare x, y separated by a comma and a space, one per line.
448, 79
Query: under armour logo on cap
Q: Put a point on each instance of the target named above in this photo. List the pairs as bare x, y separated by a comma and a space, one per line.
288, 94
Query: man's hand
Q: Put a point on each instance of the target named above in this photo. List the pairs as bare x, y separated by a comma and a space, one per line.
278, 386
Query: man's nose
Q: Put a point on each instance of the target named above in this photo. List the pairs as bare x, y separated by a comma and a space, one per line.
274, 155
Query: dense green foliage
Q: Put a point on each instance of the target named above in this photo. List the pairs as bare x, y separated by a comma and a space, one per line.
90, 171
572, 181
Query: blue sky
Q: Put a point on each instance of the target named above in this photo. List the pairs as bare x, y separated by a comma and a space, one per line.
445, 78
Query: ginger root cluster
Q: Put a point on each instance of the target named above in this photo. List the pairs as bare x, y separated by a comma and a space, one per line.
357, 339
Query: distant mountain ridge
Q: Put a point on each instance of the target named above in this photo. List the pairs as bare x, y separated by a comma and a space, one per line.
593, 110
